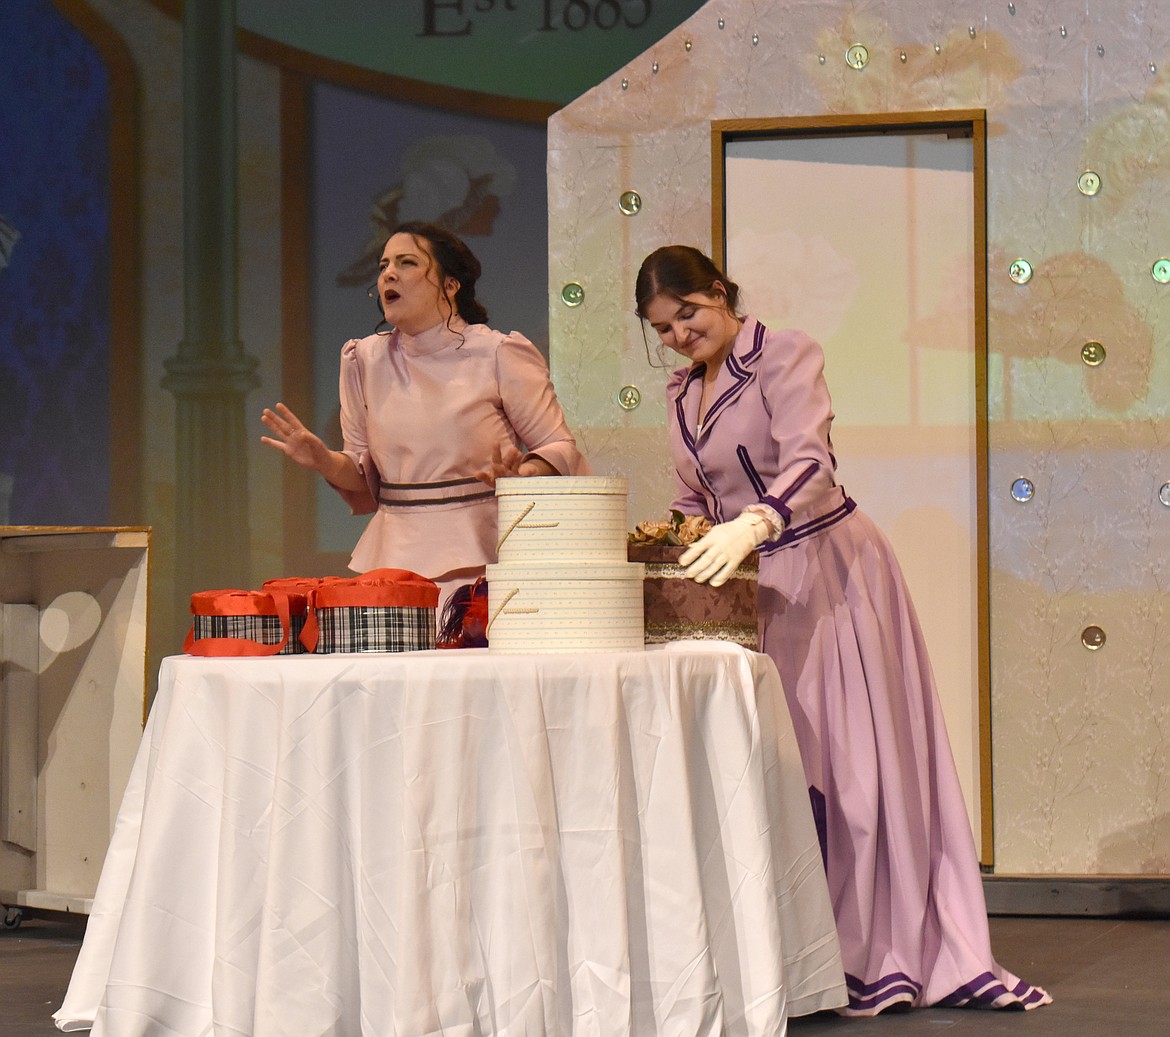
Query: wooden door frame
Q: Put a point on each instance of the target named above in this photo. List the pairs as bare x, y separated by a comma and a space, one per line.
970, 123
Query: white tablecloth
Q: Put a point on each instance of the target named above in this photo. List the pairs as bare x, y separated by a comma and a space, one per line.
462, 843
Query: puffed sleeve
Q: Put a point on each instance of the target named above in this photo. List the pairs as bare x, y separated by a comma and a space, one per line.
792, 381
355, 442
531, 406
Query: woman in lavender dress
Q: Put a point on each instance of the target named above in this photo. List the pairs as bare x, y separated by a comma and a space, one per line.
749, 433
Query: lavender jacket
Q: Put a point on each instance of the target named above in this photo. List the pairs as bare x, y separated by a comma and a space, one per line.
765, 439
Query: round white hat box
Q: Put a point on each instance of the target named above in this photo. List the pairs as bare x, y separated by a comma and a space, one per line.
566, 608
561, 519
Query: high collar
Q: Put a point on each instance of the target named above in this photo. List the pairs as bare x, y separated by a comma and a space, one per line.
435, 338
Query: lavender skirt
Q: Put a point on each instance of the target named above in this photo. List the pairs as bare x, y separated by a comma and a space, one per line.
836, 617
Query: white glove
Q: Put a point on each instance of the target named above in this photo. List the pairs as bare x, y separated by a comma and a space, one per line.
717, 555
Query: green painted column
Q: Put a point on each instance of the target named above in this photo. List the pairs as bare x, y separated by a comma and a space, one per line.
211, 374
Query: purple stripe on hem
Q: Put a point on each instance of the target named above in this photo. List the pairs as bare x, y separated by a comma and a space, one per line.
987, 991
975, 986
854, 983
894, 989
895, 997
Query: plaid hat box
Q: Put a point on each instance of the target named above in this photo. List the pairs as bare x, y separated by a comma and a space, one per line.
383, 610
243, 622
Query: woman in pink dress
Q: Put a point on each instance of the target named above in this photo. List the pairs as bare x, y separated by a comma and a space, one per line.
749, 433
432, 413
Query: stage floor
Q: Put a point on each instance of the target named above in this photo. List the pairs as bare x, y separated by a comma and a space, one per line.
1108, 977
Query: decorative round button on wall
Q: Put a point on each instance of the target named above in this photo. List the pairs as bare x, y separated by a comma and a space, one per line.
857, 56
628, 397
1093, 354
1092, 638
1023, 490
1020, 271
630, 203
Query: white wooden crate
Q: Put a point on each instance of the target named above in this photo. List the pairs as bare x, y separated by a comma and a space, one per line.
73, 607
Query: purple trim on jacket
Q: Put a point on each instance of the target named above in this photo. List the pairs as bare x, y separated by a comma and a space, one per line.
764, 440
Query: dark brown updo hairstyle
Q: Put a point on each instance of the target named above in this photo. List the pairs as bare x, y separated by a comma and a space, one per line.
454, 259
677, 271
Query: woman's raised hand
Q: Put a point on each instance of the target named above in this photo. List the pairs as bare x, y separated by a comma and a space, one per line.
293, 440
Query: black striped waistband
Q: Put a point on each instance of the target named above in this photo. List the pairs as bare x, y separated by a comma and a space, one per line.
431, 494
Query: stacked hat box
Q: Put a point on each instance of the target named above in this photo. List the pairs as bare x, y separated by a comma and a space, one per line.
562, 582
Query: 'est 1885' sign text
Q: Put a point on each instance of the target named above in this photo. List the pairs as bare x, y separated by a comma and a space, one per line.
457, 17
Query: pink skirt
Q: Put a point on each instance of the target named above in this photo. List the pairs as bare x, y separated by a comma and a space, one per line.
836, 618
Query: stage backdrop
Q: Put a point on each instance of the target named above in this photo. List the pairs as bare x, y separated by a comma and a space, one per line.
55, 344
1078, 167
366, 94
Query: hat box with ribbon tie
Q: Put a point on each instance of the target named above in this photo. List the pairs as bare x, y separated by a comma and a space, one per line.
383, 610
244, 622
562, 582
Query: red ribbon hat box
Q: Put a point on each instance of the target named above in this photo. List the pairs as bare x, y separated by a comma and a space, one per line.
383, 610
242, 622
